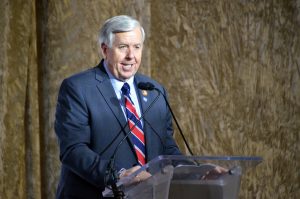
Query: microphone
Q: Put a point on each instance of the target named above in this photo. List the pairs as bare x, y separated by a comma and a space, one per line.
146, 86
150, 86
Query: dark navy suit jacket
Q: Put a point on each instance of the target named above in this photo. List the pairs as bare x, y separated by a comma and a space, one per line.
90, 124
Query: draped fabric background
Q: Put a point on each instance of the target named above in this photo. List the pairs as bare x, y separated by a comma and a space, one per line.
232, 69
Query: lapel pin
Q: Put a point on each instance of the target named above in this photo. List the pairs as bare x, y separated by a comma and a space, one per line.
144, 92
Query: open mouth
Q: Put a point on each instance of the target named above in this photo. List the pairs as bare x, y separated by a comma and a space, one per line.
127, 66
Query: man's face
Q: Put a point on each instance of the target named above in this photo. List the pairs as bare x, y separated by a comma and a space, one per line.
124, 57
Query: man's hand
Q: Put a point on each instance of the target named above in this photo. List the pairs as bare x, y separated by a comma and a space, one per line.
214, 173
144, 175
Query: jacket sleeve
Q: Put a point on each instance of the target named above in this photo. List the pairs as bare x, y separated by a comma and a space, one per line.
74, 136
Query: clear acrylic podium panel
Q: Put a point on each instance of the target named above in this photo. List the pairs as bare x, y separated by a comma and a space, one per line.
179, 177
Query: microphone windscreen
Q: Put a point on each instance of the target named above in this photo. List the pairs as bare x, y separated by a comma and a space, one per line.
146, 86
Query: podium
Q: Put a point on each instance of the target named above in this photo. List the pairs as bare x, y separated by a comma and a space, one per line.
178, 177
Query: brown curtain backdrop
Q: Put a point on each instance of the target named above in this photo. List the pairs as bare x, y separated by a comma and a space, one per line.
232, 69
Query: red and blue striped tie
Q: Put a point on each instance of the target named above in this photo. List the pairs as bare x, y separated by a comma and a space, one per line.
135, 125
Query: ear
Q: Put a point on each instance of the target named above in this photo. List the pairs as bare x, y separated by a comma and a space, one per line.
104, 49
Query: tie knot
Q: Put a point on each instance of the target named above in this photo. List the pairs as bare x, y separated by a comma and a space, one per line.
125, 89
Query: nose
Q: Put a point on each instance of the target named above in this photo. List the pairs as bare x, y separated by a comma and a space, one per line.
130, 53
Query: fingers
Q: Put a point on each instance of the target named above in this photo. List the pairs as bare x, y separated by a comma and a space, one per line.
214, 173
220, 170
130, 171
143, 175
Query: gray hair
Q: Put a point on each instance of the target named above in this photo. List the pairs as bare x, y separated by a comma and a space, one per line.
122, 23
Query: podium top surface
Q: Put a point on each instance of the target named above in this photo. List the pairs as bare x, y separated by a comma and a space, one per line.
245, 162
230, 162
252, 159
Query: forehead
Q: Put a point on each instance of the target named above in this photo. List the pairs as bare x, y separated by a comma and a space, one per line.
130, 37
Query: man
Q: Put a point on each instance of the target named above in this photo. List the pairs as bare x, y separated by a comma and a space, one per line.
93, 117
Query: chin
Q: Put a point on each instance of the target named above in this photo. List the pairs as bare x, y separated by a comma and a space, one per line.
128, 75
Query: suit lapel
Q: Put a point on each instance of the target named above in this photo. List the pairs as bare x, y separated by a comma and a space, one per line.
107, 91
